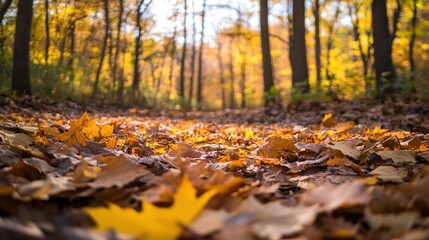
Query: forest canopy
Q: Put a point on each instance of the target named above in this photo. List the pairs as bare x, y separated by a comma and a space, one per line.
202, 54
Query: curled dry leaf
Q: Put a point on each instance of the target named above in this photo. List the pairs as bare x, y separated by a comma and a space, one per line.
117, 171
390, 174
332, 197
276, 147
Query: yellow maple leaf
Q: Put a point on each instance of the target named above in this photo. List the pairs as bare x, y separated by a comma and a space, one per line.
154, 222
75, 134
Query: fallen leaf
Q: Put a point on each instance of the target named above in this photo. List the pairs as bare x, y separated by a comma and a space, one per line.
154, 222
346, 148
276, 147
332, 197
117, 171
400, 156
390, 174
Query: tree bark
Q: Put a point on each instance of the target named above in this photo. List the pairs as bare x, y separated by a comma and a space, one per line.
183, 59
266, 54
172, 61
48, 38
4, 9
412, 43
200, 60
21, 83
298, 50
232, 75
137, 45
384, 70
117, 44
221, 73
317, 47
193, 53
329, 45
103, 50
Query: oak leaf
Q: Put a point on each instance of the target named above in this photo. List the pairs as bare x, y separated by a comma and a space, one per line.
154, 222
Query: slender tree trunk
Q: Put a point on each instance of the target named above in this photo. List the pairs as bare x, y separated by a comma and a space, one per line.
4, 9
412, 43
117, 44
172, 61
70, 65
103, 51
365, 57
298, 50
183, 59
243, 78
232, 75
193, 53
221, 73
48, 39
329, 45
317, 47
200, 60
21, 83
121, 77
384, 70
266, 54
137, 45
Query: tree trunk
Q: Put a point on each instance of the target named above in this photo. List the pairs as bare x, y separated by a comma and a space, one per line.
183, 59
266, 54
193, 53
103, 51
70, 65
48, 39
200, 60
172, 61
221, 73
298, 50
3, 9
317, 47
364, 56
117, 44
232, 76
243, 78
21, 83
384, 70
137, 45
412, 43
329, 45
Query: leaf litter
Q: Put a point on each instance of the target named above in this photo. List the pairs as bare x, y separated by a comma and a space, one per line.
143, 174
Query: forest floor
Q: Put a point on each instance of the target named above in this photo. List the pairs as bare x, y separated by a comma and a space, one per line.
332, 170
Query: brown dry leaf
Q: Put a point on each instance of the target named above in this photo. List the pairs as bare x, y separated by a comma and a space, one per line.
183, 150
391, 224
15, 139
332, 197
400, 156
14, 230
117, 171
347, 149
274, 221
85, 172
43, 189
390, 174
276, 147
328, 120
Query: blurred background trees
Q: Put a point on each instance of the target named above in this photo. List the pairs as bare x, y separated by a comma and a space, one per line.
202, 54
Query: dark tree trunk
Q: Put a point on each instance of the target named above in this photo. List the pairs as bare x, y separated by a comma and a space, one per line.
4, 8
317, 47
183, 59
103, 50
70, 65
193, 53
21, 83
48, 38
137, 45
412, 43
384, 70
118, 47
200, 60
266, 53
298, 50
221, 73
365, 56
243, 69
